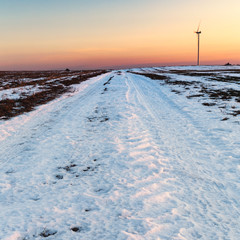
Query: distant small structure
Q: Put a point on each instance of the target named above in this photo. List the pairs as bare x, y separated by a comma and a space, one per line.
228, 64
67, 70
198, 34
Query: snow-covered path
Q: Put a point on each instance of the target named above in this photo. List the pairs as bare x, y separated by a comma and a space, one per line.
121, 158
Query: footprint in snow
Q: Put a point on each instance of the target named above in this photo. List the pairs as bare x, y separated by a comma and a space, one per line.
82, 227
10, 171
104, 90
76, 229
104, 119
102, 189
59, 176
69, 167
47, 233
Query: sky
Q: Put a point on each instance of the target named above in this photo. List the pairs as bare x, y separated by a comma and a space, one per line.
89, 34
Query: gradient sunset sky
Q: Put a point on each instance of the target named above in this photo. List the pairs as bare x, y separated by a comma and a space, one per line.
79, 34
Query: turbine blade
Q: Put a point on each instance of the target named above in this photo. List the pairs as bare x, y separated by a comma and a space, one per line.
198, 26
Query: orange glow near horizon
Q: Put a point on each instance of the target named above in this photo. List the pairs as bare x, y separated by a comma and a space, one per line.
78, 35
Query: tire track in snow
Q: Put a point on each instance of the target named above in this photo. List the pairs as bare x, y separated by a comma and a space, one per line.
147, 165
134, 169
195, 181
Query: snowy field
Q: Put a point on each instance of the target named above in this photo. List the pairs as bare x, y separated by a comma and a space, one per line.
150, 153
21, 92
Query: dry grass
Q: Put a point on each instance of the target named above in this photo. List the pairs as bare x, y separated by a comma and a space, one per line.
206, 94
51, 83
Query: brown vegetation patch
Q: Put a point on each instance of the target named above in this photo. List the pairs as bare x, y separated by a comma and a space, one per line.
203, 90
51, 84
152, 76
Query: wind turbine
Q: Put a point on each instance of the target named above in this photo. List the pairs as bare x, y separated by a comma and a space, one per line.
198, 34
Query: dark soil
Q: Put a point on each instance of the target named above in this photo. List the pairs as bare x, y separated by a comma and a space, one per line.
46, 233
76, 229
205, 92
52, 84
108, 82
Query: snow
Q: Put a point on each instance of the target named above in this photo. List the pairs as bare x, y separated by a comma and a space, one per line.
126, 160
24, 91
32, 79
16, 93
202, 67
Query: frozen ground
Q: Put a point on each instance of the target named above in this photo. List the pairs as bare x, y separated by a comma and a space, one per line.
125, 157
23, 91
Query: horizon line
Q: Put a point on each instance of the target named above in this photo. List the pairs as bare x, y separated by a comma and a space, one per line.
116, 67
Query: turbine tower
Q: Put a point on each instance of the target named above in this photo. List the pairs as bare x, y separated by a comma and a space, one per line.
198, 34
